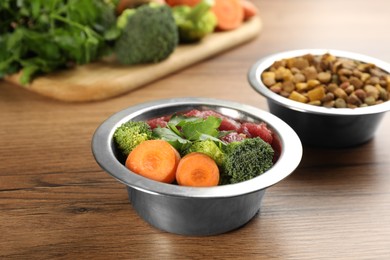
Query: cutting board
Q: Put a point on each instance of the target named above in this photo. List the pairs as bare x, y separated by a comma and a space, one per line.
105, 79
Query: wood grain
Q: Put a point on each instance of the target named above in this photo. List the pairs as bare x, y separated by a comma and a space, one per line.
56, 203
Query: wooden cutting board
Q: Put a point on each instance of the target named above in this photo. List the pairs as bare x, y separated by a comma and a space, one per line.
105, 79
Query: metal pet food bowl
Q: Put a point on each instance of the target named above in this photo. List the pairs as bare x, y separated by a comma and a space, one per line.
189, 210
318, 125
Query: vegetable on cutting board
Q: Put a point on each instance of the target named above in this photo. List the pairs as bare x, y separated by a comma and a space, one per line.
230, 14
42, 36
194, 23
197, 170
154, 159
249, 8
148, 34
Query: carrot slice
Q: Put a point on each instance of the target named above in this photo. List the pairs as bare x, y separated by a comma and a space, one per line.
154, 159
197, 170
182, 2
249, 8
229, 13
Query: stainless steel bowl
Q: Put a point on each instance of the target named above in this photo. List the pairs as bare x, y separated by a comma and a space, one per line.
321, 126
188, 210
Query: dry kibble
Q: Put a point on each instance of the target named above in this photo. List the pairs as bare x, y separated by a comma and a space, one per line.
279, 73
340, 93
288, 76
301, 86
361, 94
310, 73
373, 81
312, 83
277, 88
372, 91
298, 63
340, 103
324, 77
369, 100
269, 78
345, 72
349, 89
315, 103
344, 85
364, 77
317, 93
298, 97
299, 77
354, 100
328, 97
329, 103
356, 82
288, 86
388, 82
383, 94
332, 87
329, 81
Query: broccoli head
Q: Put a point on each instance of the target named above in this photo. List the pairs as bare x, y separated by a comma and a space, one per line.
196, 22
209, 148
130, 134
149, 34
246, 159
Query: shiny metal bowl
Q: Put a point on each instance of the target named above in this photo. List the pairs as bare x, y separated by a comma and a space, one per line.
188, 210
321, 126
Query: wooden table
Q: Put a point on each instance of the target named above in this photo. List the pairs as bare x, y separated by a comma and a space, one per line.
56, 203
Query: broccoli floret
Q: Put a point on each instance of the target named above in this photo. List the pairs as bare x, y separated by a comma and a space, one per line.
149, 34
209, 148
131, 134
196, 22
246, 159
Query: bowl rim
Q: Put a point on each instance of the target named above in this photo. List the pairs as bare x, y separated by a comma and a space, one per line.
288, 161
254, 78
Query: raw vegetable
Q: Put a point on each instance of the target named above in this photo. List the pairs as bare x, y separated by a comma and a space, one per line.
242, 153
194, 23
230, 14
130, 134
182, 131
246, 159
249, 8
154, 159
149, 34
209, 148
41, 36
197, 170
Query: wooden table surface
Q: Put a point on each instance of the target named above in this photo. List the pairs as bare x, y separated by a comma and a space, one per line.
56, 203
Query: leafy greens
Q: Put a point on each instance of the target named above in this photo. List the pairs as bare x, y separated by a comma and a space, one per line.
182, 131
41, 36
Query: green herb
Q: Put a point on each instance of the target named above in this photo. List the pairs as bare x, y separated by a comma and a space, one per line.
41, 36
182, 131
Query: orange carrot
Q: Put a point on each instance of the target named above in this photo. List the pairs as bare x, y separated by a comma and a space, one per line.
250, 9
154, 159
197, 170
182, 2
229, 13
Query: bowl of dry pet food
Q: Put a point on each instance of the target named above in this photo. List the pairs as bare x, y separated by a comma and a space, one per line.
331, 98
196, 166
